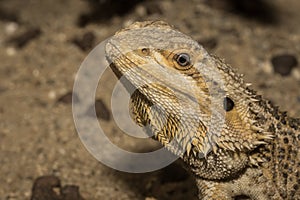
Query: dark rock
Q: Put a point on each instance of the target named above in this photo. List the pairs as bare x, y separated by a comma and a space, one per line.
71, 192
44, 188
67, 98
23, 39
49, 188
102, 111
86, 42
283, 64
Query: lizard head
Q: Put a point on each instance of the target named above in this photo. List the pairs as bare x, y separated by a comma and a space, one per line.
191, 100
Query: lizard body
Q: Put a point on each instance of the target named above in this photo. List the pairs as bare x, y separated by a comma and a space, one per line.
235, 143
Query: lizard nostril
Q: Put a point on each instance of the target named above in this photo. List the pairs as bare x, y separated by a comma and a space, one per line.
228, 104
183, 59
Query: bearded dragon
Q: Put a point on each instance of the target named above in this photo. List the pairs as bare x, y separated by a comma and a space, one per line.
237, 144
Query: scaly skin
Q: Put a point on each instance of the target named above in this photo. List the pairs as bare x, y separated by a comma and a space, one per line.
237, 144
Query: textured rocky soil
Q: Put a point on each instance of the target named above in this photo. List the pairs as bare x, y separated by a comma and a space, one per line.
42, 44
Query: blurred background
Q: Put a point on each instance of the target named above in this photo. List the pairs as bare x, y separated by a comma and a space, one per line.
42, 44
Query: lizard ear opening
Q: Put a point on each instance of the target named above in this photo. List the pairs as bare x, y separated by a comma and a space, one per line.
228, 104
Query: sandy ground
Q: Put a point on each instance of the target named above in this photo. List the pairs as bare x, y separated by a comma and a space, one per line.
42, 44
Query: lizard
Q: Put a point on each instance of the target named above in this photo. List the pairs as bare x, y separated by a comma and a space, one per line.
236, 144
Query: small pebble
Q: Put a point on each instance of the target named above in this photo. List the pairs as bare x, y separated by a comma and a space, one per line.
266, 67
35, 72
140, 10
11, 51
11, 28
52, 94
296, 74
150, 198
284, 63
62, 151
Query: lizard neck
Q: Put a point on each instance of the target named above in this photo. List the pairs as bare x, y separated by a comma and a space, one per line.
267, 117
216, 165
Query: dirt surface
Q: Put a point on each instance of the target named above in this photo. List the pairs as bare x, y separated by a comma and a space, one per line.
42, 46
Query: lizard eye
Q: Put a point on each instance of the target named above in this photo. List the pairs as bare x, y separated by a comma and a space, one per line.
228, 104
183, 59
144, 51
